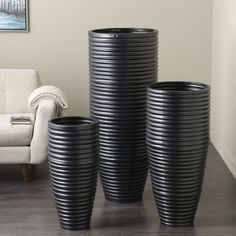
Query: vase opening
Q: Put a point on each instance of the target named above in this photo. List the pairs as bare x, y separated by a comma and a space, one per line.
123, 30
179, 87
73, 121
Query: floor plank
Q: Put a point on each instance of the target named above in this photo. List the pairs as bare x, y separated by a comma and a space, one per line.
28, 208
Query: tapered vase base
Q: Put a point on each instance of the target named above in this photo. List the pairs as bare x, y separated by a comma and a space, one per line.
176, 225
80, 228
125, 201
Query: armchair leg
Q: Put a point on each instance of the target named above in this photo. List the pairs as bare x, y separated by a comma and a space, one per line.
24, 169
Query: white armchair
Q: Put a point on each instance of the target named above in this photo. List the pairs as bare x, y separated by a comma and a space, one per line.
22, 144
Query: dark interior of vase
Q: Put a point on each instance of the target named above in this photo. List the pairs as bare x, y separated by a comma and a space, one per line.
179, 86
123, 30
72, 121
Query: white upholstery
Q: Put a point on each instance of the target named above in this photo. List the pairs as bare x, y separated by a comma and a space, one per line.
15, 135
15, 155
15, 88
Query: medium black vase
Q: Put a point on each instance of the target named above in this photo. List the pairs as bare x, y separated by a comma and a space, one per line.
177, 140
73, 160
123, 62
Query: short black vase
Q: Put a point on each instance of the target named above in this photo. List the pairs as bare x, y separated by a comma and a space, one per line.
123, 62
177, 140
73, 160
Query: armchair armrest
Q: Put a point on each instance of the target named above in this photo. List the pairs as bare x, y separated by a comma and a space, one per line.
39, 143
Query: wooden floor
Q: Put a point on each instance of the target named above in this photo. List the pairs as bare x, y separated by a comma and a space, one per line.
28, 208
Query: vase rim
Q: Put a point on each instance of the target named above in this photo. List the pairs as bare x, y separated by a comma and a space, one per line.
179, 87
117, 32
78, 122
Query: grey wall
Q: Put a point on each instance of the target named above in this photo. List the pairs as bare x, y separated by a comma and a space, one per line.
223, 111
57, 43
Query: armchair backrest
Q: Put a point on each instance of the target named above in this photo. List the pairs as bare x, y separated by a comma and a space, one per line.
15, 87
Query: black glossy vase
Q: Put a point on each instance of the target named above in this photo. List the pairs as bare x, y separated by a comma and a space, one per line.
73, 160
177, 139
123, 62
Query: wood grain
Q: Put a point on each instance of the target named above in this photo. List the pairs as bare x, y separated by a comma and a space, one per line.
28, 208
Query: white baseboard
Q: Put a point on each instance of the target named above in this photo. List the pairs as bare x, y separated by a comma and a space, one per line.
229, 159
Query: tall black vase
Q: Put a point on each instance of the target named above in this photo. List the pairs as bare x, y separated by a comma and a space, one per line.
177, 139
73, 161
123, 62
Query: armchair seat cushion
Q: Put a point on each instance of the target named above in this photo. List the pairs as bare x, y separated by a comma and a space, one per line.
17, 134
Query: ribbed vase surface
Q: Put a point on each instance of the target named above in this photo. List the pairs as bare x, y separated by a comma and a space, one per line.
73, 160
177, 140
122, 62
